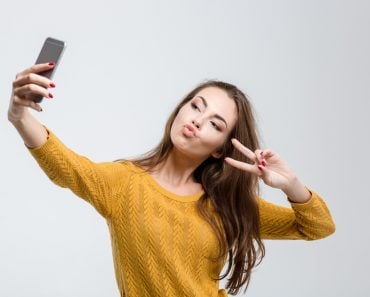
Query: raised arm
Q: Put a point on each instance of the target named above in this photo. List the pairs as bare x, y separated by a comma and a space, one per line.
100, 184
308, 218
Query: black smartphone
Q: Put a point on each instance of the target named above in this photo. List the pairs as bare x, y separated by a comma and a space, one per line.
51, 51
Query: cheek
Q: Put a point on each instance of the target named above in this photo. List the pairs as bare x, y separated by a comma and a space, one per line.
179, 117
177, 124
212, 138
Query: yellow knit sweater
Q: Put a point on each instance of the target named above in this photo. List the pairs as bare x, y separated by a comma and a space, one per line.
160, 243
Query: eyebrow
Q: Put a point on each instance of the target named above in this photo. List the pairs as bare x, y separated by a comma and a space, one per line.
216, 115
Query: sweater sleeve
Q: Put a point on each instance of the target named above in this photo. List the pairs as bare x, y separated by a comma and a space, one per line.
309, 221
100, 184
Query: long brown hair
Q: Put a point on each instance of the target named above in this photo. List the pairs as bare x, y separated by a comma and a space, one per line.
231, 191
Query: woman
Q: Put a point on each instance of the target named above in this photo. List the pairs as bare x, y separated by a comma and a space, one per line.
179, 213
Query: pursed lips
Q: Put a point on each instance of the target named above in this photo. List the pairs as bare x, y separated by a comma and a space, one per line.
190, 128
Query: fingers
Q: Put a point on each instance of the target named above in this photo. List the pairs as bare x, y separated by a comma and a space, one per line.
244, 150
244, 166
256, 156
32, 78
30, 82
267, 153
37, 68
25, 90
259, 155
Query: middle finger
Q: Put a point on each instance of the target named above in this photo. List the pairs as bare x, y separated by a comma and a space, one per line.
33, 78
32, 89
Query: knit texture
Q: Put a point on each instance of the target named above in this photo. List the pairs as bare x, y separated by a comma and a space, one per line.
161, 245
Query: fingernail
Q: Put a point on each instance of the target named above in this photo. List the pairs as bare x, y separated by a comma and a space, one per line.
52, 85
40, 109
260, 167
261, 153
50, 95
51, 63
263, 163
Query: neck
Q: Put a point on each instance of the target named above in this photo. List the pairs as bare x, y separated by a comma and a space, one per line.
177, 170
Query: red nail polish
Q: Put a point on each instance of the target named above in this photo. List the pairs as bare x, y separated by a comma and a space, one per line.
52, 85
50, 95
263, 163
51, 63
260, 168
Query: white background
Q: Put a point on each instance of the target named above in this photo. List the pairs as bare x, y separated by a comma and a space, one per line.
305, 66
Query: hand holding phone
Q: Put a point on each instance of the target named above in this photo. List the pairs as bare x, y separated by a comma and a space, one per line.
51, 51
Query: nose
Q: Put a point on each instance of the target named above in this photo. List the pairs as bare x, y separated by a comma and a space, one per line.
196, 123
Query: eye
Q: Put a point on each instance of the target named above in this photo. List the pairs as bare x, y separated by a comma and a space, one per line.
214, 125
194, 106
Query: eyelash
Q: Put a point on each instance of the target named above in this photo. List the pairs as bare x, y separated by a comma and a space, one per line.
194, 106
213, 123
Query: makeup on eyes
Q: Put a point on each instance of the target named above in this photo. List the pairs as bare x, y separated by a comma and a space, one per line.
217, 116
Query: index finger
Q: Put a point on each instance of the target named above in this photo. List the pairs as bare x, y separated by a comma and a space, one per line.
37, 68
243, 149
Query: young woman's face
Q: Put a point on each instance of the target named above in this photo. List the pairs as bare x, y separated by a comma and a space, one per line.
211, 114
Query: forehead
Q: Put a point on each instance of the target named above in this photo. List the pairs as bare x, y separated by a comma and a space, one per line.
219, 102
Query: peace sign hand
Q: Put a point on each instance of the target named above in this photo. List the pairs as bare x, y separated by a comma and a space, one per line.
268, 166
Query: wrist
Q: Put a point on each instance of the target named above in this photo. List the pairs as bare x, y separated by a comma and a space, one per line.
297, 191
18, 120
292, 182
